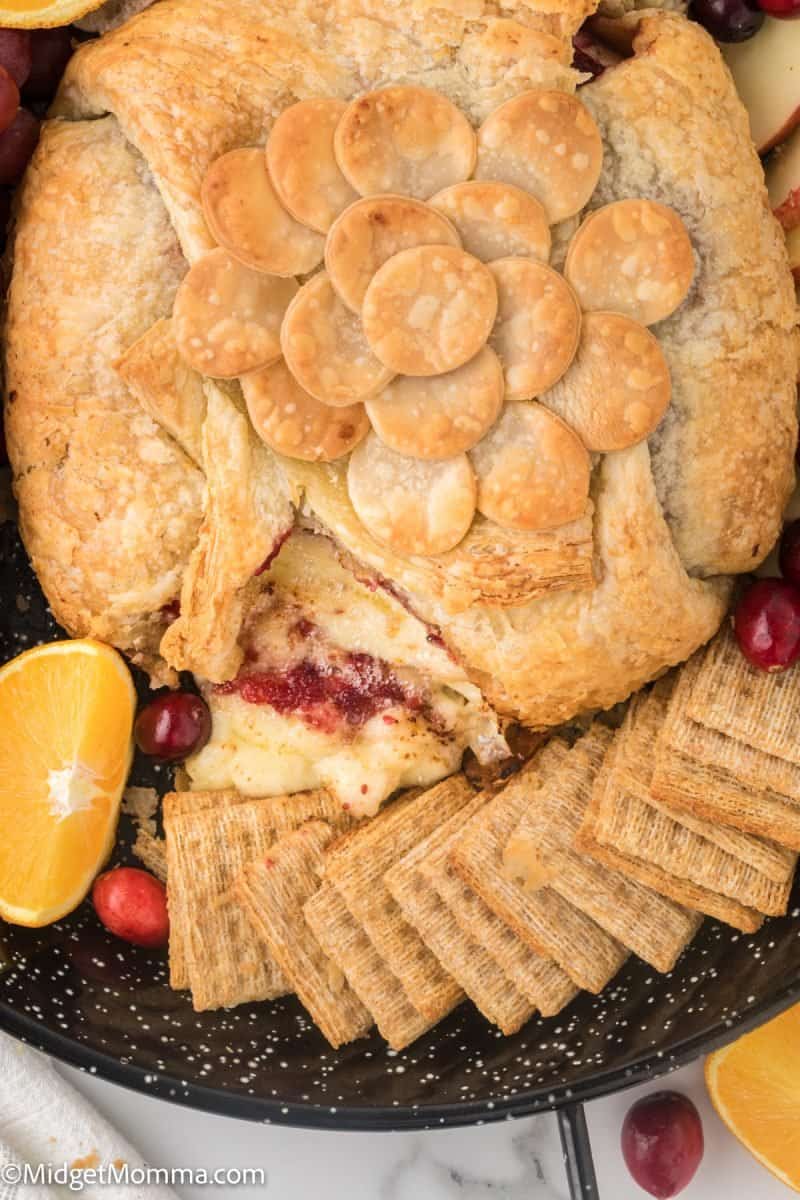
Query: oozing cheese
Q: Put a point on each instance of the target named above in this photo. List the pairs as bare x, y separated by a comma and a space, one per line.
261, 751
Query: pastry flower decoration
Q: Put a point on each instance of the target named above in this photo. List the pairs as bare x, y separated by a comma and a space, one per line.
436, 347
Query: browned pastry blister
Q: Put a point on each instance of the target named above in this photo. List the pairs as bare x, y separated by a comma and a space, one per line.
273, 889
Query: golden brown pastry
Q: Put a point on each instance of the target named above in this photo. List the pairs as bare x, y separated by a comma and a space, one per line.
547, 622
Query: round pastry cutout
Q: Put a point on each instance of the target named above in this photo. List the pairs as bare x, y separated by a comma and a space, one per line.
547, 144
632, 257
294, 423
495, 220
245, 215
532, 470
416, 507
409, 140
372, 231
538, 325
325, 348
618, 388
429, 309
227, 318
442, 415
303, 166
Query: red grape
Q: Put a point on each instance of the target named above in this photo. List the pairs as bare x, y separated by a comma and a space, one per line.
662, 1143
9, 99
728, 20
51, 50
173, 725
766, 622
17, 144
783, 9
15, 53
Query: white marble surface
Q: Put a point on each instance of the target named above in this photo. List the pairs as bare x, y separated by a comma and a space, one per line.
512, 1160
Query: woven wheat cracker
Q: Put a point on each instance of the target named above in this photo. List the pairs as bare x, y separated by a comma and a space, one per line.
210, 836
344, 941
356, 867
492, 992
681, 890
273, 891
646, 728
653, 927
540, 980
756, 708
693, 739
549, 924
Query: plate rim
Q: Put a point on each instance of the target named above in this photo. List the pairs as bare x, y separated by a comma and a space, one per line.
382, 1118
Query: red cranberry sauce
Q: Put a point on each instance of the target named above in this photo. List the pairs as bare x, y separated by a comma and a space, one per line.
275, 551
348, 690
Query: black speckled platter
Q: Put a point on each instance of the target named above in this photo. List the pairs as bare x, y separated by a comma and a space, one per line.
99, 1004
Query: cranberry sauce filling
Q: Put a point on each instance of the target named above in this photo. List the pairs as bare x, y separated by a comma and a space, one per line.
275, 551
349, 690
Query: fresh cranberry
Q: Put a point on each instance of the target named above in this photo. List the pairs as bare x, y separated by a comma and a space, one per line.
132, 904
662, 1143
767, 624
789, 553
173, 726
783, 9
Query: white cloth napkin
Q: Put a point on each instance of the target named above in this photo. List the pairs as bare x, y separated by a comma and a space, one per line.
45, 1120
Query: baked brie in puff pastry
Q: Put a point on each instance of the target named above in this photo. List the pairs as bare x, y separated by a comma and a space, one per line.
367, 362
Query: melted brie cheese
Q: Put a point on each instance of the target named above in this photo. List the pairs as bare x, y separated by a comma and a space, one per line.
260, 751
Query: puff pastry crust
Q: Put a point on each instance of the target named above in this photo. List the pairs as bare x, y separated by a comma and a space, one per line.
546, 624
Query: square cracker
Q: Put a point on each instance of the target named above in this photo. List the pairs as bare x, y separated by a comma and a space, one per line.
272, 891
687, 852
470, 964
755, 708
545, 985
544, 920
651, 721
356, 866
210, 836
681, 890
694, 740
345, 942
622, 829
541, 850
684, 784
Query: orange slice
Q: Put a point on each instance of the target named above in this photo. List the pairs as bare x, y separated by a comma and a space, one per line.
40, 14
65, 751
754, 1085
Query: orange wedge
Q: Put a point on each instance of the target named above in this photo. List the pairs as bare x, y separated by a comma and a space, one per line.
754, 1085
66, 742
38, 14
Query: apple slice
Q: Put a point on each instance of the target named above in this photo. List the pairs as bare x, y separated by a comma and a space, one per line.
766, 71
793, 247
783, 181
